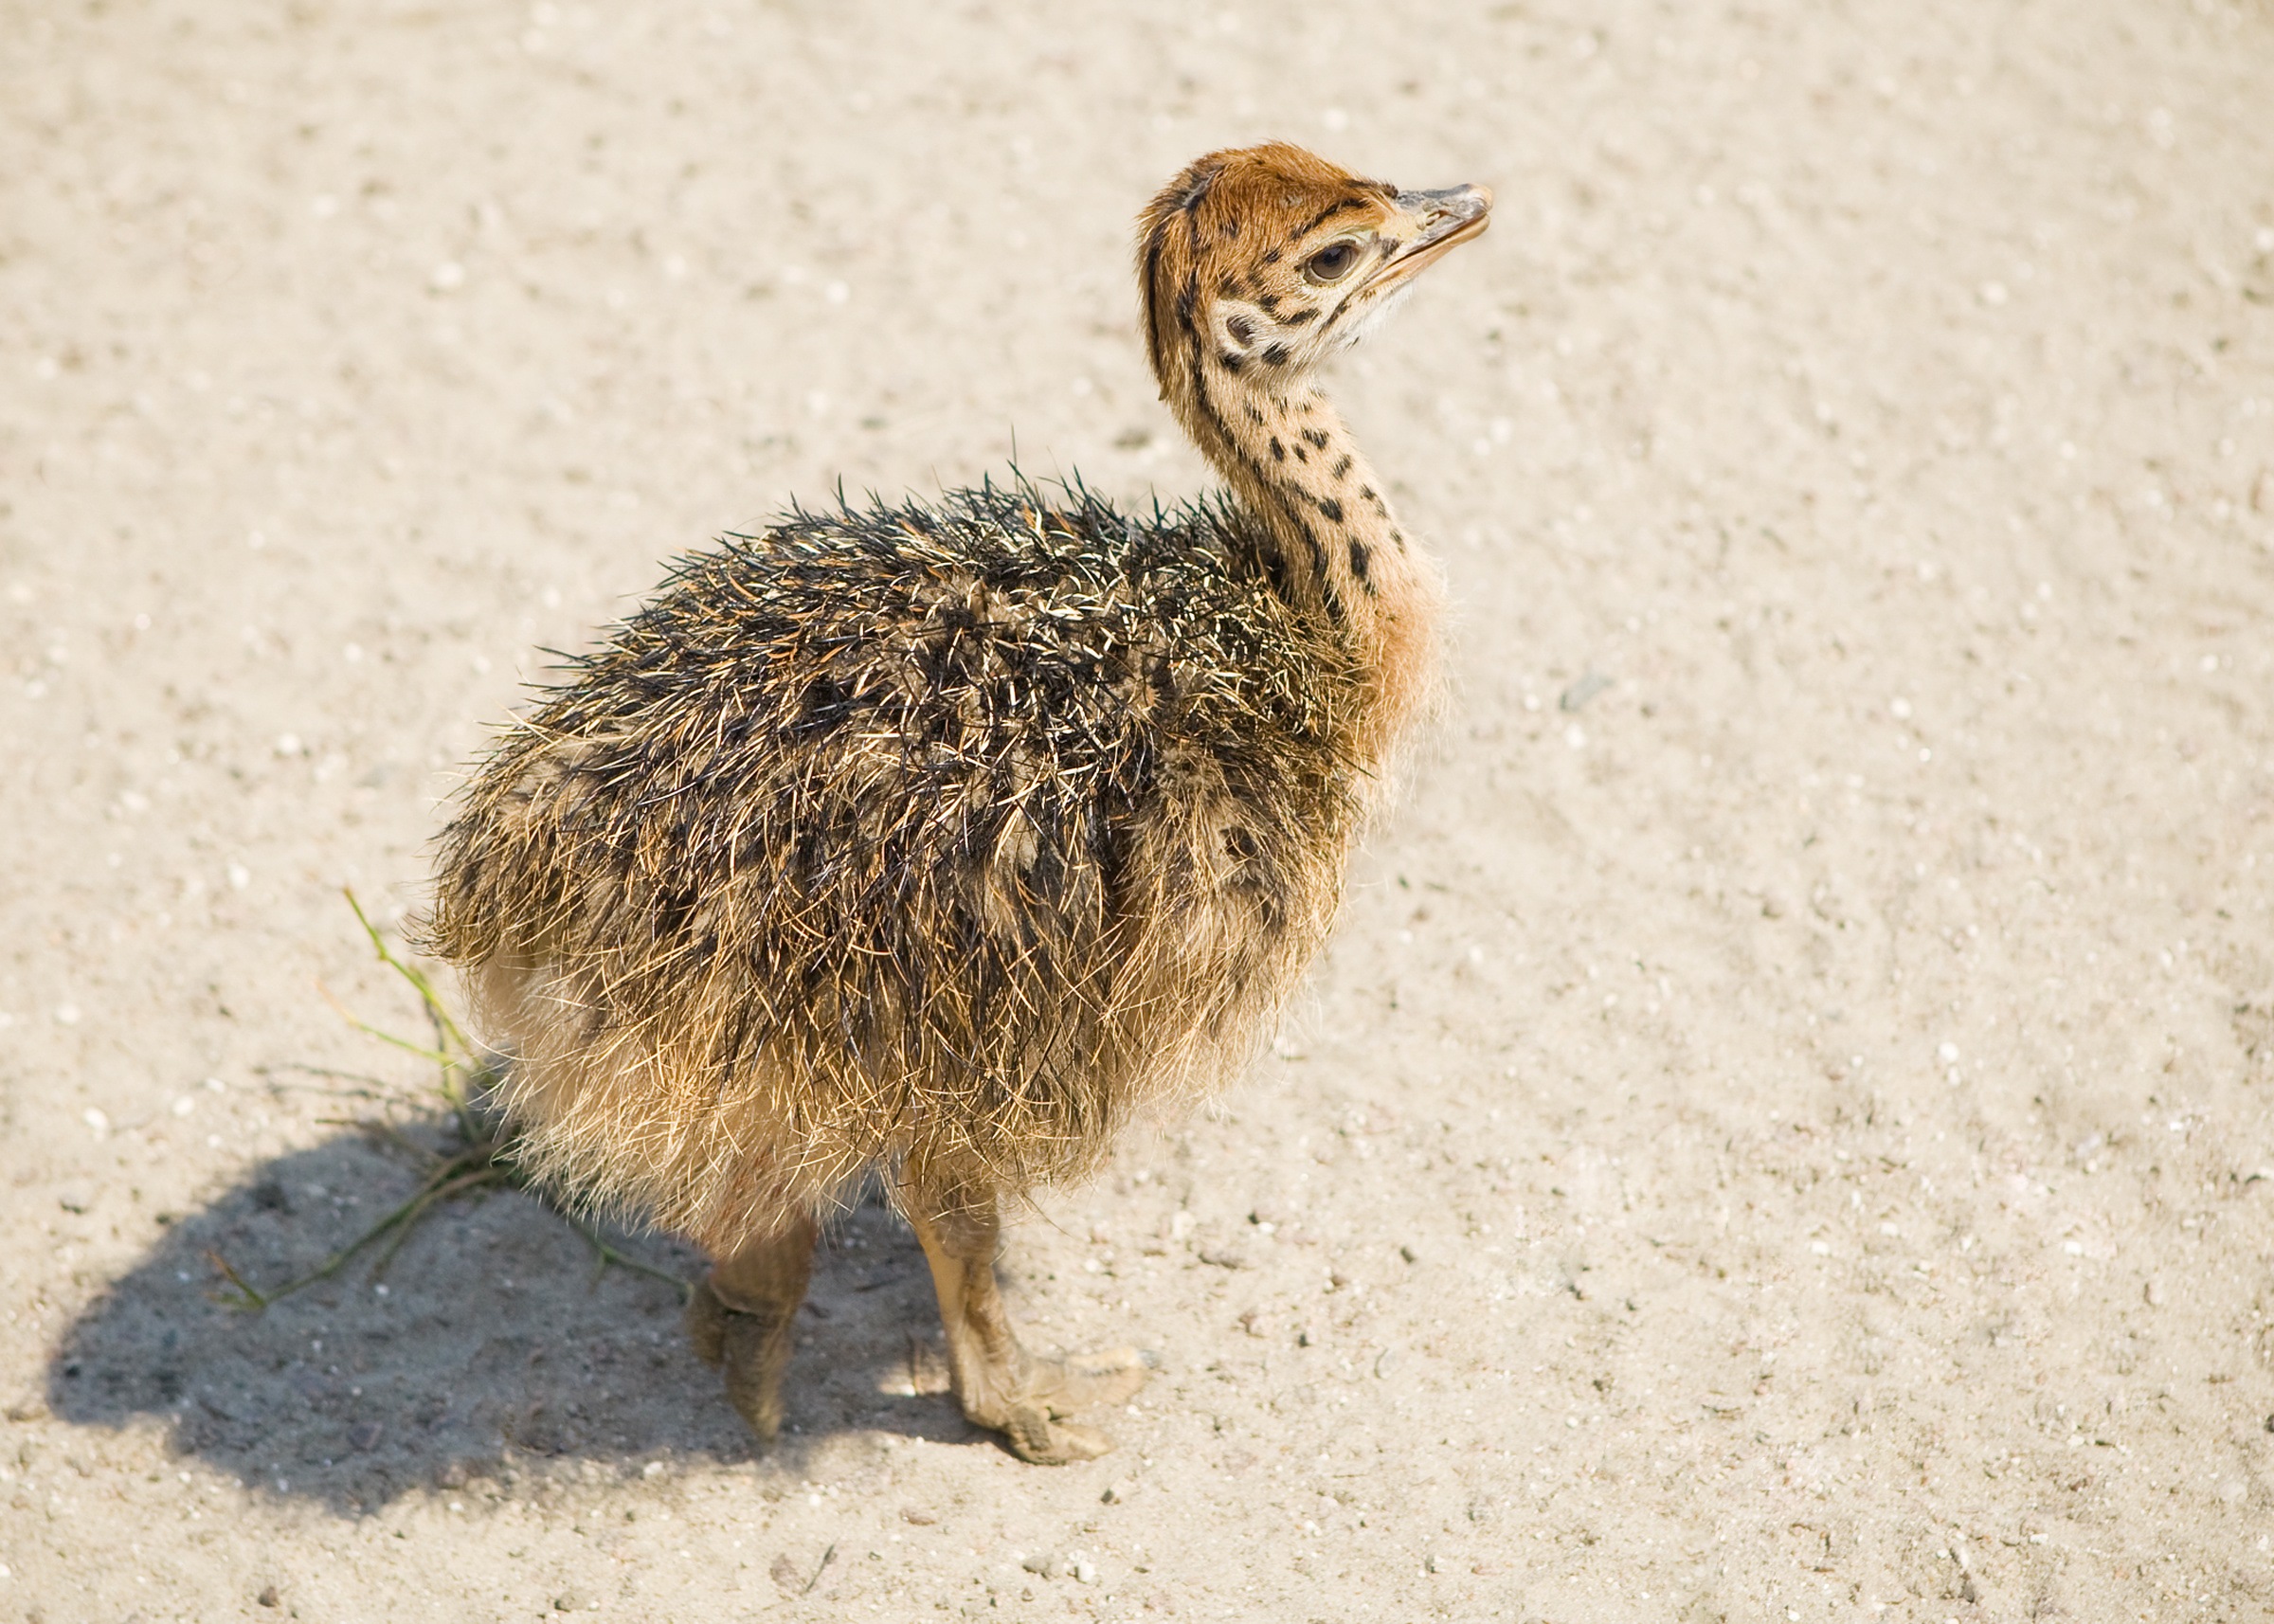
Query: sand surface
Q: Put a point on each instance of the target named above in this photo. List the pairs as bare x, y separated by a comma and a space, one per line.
1785, 1129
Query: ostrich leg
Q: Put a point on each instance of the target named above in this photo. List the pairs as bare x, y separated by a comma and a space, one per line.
742, 1317
1000, 1384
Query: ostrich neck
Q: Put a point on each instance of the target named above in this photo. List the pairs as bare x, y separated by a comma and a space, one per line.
1337, 554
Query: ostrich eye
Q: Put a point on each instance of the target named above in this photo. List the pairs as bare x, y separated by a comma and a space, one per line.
1331, 263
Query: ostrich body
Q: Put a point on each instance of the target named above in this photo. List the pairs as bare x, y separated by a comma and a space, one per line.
943, 839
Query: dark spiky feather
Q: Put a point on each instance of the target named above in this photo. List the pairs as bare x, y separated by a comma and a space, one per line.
954, 831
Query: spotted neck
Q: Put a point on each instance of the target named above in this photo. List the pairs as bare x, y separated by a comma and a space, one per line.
1337, 554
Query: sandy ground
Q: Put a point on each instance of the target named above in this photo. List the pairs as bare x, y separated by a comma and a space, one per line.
1784, 1132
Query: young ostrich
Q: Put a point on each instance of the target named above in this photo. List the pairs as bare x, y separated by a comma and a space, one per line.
943, 839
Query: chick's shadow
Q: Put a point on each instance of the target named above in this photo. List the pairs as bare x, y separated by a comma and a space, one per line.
489, 1346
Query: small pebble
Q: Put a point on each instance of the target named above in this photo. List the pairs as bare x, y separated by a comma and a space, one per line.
1226, 1257
2154, 1294
364, 1435
918, 1516
269, 1596
1050, 1565
574, 1602
1583, 690
1118, 1491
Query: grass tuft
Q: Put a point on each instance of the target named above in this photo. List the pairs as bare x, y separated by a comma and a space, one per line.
483, 1160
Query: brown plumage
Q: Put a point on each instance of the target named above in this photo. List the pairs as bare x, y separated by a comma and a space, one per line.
945, 838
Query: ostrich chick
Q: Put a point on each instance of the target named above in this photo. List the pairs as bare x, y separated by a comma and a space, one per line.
942, 838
